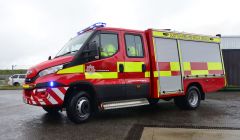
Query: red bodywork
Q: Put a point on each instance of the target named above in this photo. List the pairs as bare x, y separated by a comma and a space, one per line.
55, 95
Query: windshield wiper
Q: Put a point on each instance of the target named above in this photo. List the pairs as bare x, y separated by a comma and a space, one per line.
66, 53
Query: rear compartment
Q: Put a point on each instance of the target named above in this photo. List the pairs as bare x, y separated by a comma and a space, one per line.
181, 59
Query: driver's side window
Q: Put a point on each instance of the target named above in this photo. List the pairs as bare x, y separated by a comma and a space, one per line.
94, 39
107, 44
90, 56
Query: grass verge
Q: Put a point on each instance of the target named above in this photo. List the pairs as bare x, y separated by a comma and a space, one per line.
10, 87
11, 72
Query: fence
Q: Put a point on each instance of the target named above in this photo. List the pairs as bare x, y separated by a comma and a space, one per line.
4, 79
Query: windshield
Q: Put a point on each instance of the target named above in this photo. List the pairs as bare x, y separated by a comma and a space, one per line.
74, 44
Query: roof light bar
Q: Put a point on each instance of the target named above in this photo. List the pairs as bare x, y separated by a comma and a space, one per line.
92, 27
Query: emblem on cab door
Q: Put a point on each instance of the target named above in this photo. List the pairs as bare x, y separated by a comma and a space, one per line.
90, 69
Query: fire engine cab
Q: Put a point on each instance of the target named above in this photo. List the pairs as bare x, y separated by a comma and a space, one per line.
108, 68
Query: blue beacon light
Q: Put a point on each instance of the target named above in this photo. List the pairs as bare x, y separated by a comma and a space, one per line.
51, 84
92, 27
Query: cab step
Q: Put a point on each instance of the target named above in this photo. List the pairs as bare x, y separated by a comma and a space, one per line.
124, 103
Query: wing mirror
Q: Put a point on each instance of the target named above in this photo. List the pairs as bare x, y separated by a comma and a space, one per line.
91, 51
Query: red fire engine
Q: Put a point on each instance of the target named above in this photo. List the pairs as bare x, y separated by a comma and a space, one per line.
107, 68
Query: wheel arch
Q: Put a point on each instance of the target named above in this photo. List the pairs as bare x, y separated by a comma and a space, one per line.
81, 86
200, 87
16, 83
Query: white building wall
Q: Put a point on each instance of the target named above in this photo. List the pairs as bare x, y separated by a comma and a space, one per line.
230, 42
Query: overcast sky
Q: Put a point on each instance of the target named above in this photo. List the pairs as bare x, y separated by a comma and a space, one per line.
31, 30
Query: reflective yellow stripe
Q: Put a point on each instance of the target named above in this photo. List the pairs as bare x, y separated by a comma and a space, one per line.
199, 72
131, 66
180, 57
225, 80
162, 73
165, 73
215, 66
74, 69
147, 74
223, 63
154, 48
174, 66
158, 34
186, 66
101, 75
158, 87
185, 36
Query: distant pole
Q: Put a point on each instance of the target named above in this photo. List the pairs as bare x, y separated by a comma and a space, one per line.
13, 66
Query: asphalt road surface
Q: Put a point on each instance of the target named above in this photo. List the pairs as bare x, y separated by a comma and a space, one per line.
20, 121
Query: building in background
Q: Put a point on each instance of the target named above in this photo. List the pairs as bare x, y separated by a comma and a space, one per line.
231, 56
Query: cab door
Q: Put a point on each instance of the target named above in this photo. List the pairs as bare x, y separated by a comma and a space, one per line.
103, 72
136, 65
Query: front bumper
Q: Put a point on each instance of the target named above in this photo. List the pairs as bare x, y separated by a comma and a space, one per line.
45, 96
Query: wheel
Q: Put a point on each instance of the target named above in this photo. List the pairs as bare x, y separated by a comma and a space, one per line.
190, 101
79, 107
16, 84
51, 110
153, 101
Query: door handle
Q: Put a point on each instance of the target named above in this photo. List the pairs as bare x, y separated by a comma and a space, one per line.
144, 68
121, 68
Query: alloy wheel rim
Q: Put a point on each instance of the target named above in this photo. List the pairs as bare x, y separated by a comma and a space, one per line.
83, 107
193, 98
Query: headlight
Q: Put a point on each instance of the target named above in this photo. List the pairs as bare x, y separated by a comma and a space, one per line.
50, 70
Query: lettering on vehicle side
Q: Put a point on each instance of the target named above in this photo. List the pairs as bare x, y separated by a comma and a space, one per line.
102, 70
188, 37
132, 81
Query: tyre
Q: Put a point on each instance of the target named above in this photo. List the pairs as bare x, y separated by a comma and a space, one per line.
153, 101
79, 107
16, 84
51, 110
190, 101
